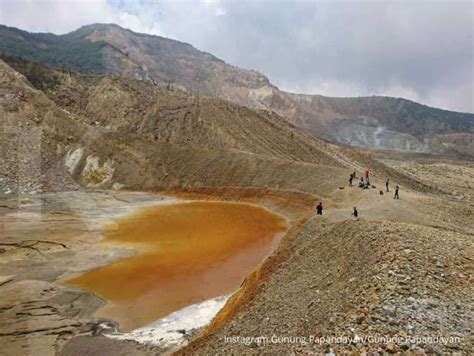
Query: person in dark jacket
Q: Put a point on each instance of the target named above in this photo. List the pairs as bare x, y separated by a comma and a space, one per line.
386, 185
396, 196
355, 213
319, 209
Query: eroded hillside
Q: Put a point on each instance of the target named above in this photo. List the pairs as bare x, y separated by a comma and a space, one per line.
375, 122
108, 132
404, 268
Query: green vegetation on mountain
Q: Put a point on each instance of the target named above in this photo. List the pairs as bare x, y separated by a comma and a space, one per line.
69, 52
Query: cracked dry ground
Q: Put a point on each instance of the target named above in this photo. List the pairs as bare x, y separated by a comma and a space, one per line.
43, 239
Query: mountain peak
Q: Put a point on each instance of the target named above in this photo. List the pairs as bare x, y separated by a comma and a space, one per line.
377, 122
88, 29
100, 26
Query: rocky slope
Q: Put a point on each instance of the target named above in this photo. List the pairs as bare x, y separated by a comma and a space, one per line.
106, 132
358, 280
403, 269
376, 122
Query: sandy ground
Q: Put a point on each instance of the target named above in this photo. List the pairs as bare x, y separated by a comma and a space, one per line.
403, 268
454, 178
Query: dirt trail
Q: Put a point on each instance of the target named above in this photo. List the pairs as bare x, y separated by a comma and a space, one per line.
373, 206
441, 210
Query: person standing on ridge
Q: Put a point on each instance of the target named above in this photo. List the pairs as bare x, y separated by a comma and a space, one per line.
350, 179
319, 209
386, 185
396, 193
355, 213
367, 174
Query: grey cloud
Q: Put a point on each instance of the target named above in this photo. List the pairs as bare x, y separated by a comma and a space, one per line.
420, 49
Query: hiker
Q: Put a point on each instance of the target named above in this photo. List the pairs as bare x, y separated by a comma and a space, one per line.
319, 208
367, 174
396, 193
367, 184
361, 183
350, 179
355, 213
354, 175
386, 185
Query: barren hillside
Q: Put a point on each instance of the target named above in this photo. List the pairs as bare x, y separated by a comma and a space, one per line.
375, 122
404, 268
108, 131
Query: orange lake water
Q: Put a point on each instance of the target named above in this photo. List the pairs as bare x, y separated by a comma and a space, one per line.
186, 253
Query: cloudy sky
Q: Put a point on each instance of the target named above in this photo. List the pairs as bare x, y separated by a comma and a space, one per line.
418, 49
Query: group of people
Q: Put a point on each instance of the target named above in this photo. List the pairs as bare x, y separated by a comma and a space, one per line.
364, 184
